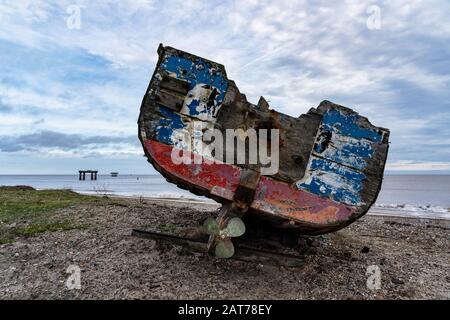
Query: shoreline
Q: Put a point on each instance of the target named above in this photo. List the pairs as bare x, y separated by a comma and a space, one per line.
402, 196
385, 210
373, 211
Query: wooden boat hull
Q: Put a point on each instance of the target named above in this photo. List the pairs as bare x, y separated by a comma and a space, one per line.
331, 159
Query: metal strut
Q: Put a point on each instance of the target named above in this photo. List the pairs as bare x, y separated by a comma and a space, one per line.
243, 253
228, 223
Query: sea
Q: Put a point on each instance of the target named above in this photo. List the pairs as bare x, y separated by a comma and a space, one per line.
423, 196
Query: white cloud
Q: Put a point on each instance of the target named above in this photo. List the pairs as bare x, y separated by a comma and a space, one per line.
411, 165
295, 53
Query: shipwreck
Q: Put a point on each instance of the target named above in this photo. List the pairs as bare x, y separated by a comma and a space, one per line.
319, 172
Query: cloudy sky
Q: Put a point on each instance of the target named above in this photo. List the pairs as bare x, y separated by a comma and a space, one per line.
73, 73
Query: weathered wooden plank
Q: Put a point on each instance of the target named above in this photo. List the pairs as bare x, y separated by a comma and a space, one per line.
169, 100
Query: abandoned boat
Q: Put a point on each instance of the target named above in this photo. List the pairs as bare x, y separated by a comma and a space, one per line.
321, 171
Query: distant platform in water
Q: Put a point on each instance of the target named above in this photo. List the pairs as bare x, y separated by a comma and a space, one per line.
82, 174
114, 174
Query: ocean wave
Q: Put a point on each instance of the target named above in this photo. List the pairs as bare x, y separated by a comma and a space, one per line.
421, 211
414, 208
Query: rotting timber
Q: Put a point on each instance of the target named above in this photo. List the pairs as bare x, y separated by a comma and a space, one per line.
331, 159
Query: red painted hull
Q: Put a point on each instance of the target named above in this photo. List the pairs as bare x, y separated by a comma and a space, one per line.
273, 198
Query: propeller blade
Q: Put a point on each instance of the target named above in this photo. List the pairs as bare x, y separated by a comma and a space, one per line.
224, 249
235, 228
211, 227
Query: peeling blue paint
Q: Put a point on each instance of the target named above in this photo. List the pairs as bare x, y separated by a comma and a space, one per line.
340, 123
348, 174
342, 140
360, 148
196, 73
338, 194
340, 153
193, 107
169, 122
345, 150
329, 179
341, 156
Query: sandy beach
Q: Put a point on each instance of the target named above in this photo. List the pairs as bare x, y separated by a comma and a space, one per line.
411, 254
